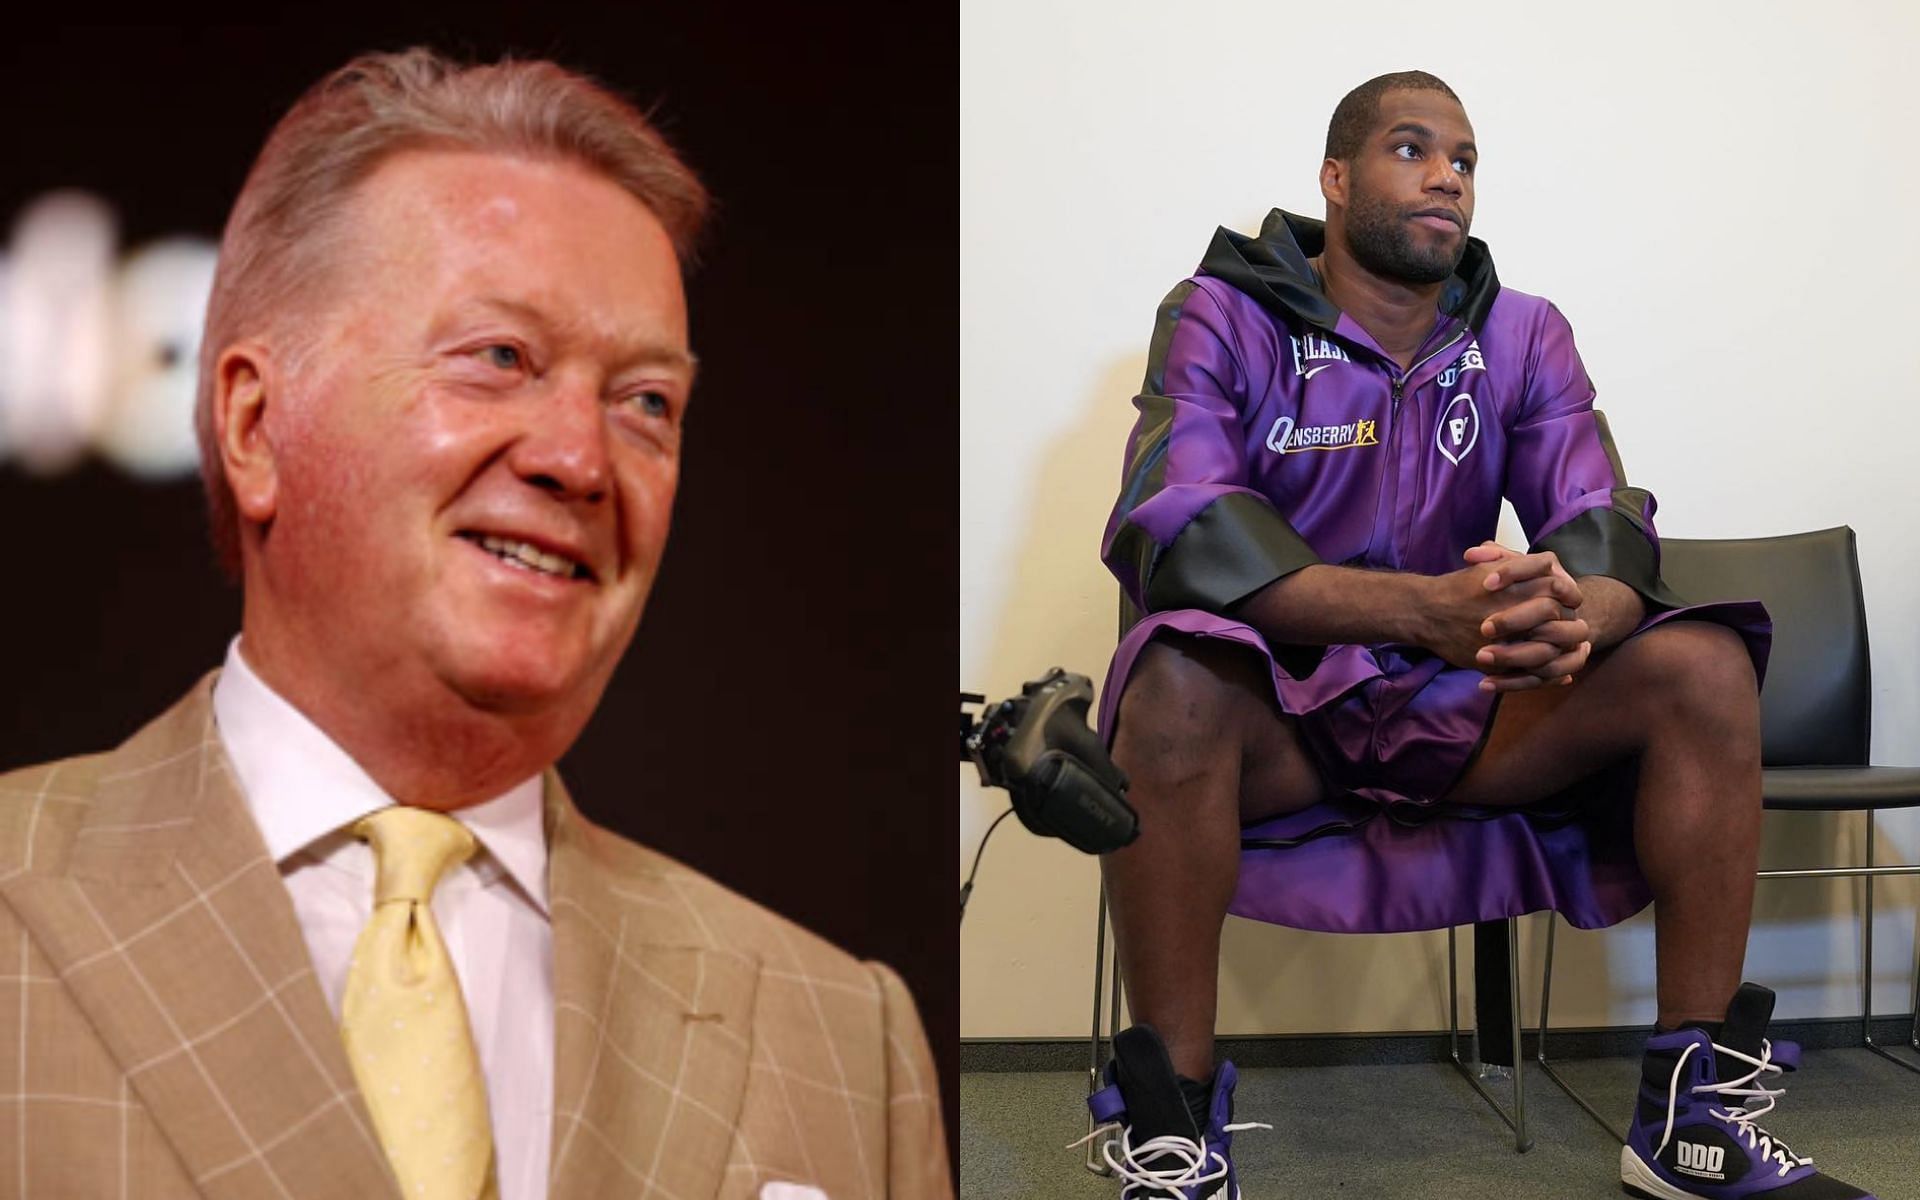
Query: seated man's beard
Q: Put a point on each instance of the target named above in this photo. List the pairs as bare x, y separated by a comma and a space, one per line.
1381, 241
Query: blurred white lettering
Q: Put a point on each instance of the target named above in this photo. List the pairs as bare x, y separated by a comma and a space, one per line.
97, 354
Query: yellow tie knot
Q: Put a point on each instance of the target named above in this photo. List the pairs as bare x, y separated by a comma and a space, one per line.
412, 848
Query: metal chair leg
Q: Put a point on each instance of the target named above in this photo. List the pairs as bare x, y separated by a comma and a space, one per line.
1546, 990
1866, 969
1095, 1162
1913, 1034
1866, 945
1517, 1120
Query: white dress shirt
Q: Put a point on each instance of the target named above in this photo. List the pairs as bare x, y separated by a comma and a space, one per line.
305, 793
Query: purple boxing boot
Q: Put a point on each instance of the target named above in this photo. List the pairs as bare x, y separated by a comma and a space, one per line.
1159, 1151
1693, 1133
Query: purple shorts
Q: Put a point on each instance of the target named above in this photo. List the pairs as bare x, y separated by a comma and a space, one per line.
1392, 729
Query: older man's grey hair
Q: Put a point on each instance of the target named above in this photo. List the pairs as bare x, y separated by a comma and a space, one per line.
287, 227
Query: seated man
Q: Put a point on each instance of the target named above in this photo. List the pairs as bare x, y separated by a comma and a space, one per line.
1330, 417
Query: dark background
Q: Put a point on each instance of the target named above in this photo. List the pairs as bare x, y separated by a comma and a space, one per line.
784, 719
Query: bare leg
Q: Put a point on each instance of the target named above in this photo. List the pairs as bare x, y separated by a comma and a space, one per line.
1198, 730
1682, 698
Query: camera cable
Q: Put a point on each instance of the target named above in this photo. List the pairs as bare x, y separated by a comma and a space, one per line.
966, 889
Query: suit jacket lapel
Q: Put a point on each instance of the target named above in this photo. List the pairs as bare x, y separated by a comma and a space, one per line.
171, 929
653, 1022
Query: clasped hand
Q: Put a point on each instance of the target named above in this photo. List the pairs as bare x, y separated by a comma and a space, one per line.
1511, 616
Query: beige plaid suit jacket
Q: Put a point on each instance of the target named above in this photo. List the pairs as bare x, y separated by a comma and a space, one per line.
162, 1033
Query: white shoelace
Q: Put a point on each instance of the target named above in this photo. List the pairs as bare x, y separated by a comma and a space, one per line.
1192, 1157
1738, 1115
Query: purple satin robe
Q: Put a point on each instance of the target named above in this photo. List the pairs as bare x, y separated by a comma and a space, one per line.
1276, 433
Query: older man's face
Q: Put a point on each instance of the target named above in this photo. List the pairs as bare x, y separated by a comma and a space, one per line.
476, 473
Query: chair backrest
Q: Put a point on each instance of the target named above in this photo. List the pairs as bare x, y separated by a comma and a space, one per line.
1815, 707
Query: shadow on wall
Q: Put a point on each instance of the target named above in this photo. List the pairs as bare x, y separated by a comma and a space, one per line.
1062, 607
1059, 608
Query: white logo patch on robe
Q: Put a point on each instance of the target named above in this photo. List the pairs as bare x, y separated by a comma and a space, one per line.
1459, 428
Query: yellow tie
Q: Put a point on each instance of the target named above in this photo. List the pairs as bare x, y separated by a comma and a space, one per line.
404, 1022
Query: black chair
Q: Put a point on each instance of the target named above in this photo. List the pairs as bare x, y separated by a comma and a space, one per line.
1815, 709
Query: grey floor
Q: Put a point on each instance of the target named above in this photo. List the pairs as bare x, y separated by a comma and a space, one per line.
1383, 1132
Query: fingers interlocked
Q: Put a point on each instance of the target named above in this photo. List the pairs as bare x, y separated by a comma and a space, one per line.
1537, 639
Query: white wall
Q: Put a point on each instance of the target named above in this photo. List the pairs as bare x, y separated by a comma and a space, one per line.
1723, 200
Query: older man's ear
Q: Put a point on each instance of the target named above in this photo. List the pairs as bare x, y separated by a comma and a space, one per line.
244, 379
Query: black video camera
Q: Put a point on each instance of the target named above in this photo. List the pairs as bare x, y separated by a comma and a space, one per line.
1040, 748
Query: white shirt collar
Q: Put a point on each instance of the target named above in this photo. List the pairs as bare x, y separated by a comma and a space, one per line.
301, 786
